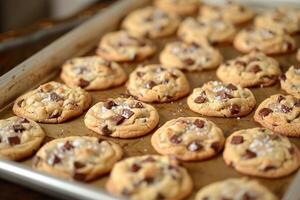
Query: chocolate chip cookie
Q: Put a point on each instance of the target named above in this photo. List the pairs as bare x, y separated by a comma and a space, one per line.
254, 69
19, 138
190, 56
221, 100
120, 46
149, 177
261, 152
52, 102
92, 73
180, 7
188, 138
121, 117
151, 22
280, 113
79, 158
156, 83
290, 81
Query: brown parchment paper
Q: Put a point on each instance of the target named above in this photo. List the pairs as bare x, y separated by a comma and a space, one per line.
202, 172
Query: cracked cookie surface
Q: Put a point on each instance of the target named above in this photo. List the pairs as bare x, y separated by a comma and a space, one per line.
221, 100
80, 158
188, 138
121, 117
52, 102
149, 177
92, 73
261, 152
19, 138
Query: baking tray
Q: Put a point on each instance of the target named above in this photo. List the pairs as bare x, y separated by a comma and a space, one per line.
45, 66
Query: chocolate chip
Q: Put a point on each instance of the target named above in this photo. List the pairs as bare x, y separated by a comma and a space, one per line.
291, 150
150, 84
265, 112
83, 83
159, 196
118, 119
55, 97
140, 74
79, 176
286, 109
54, 159
199, 123
297, 103
280, 98
18, 128
138, 105
231, 87
235, 109
78, 165
149, 159
148, 180
19, 103
201, 98
135, 167
188, 61
127, 113
241, 63
194, 146
270, 167
106, 131
67, 146
249, 154
282, 77
215, 146
14, 140
24, 121
237, 139
109, 104
224, 95
288, 46
176, 139
255, 69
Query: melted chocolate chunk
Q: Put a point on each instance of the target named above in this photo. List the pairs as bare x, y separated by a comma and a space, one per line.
289, 46
150, 84
79, 176
280, 98
235, 109
148, 180
67, 146
140, 74
286, 109
18, 128
135, 167
255, 69
188, 61
176, 139
138, 105
282, 77
249, 154
231, 87
194, 146
240, 63
201, 98
215, 146
223, 95
19, 103
270, 167
127, 113
237, 139
265, 112
106, 131
54, 160
14, 140
149, 159
24, 121
118, 119
199, 123
83, 83
109, 104
297, 103
78, 165
55, 97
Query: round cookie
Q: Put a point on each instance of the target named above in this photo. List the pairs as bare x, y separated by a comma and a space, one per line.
120, 117
80, 158
290, 81
180, 7
52, 102
190, 56
149, 177
92, 73
151, 22
280, 18
188, 138
19, 138
235, 189
264, 39
221, 100
120, 46
156, 83
205, 30
261, 152
280, 113
254, 69
231, 12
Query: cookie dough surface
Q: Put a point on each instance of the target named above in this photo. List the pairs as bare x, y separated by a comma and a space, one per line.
261, 152
188, 138
19, 138
80, 158
221, 100
52, 102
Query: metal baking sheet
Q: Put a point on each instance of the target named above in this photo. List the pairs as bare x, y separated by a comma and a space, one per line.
202, 172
